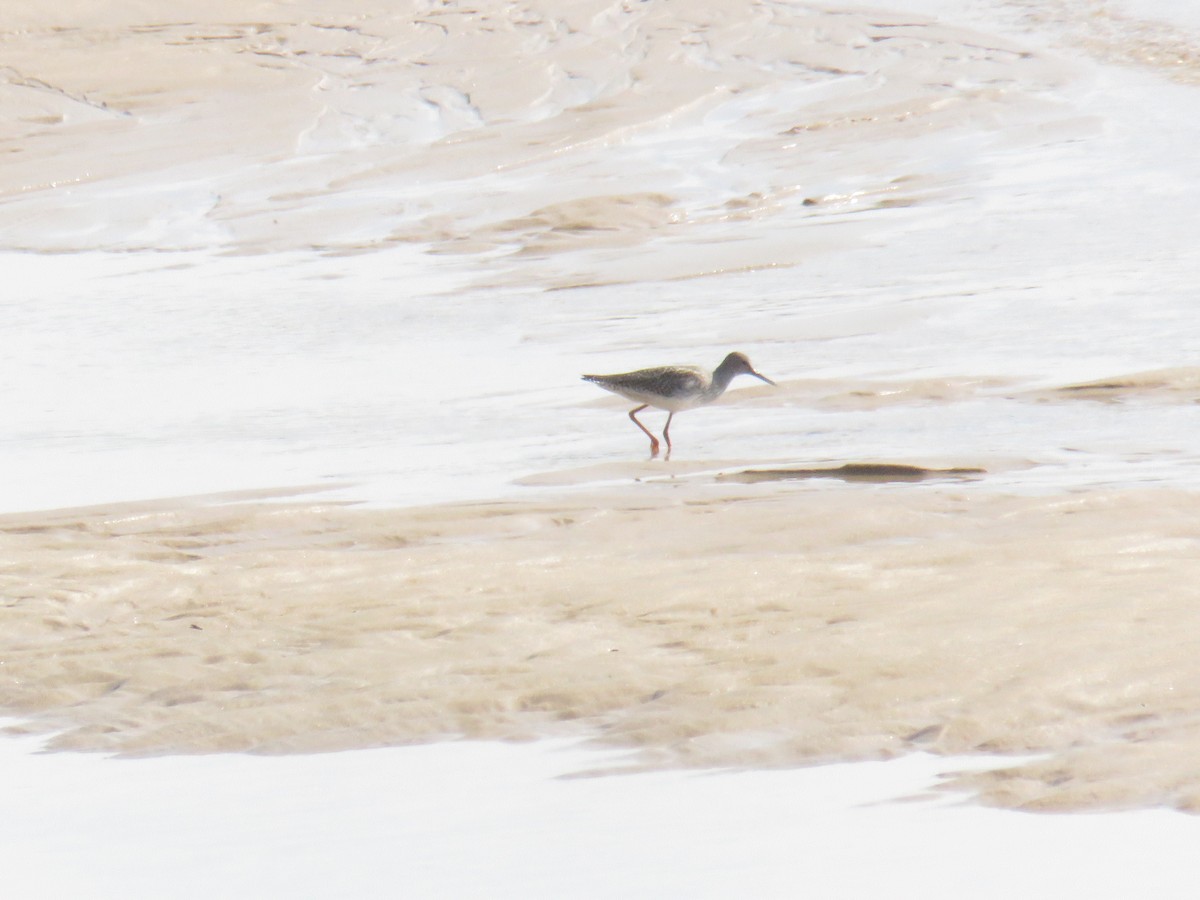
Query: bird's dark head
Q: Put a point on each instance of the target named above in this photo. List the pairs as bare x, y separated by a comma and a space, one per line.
739, 364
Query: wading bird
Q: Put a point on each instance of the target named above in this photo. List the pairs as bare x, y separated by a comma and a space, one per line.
674, 388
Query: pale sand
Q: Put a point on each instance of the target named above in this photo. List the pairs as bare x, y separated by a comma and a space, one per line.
568, 139
706, 623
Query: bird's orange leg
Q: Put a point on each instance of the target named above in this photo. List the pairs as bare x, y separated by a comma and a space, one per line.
645, 430
667, 435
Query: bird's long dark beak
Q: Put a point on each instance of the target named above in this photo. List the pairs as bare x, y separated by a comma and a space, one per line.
763, 378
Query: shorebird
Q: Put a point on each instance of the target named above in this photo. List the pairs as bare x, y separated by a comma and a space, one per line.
674, 388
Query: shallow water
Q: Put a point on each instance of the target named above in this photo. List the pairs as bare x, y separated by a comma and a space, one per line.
371, 823
339, 249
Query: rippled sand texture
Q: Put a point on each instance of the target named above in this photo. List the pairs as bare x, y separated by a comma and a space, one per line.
522, 129
705, 624
1122, 32
1016, 296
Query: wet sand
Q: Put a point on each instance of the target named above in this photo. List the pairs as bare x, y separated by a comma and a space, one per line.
702, 622
595, 145
964, 523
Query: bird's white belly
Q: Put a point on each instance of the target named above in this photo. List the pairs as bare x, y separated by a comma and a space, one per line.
670, 404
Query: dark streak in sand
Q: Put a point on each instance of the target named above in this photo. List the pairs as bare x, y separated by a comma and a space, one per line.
872, 472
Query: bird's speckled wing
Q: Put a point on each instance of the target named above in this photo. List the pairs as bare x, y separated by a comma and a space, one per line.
665, 387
